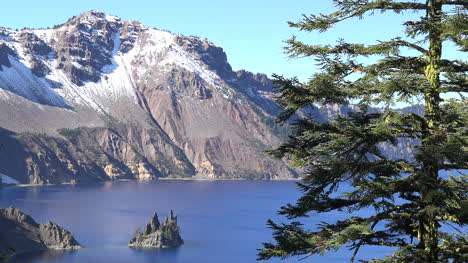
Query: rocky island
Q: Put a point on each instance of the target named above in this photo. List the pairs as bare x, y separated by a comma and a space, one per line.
157, 235
19, 232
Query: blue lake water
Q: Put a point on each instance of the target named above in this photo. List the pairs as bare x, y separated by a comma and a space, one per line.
221, 221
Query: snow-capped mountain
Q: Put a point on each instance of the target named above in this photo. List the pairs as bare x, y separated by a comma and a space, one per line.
101, 98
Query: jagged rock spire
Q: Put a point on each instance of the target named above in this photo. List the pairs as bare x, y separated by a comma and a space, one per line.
153, 225
159, 235
173, 216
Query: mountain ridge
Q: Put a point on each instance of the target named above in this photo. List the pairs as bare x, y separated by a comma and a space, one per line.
130, 93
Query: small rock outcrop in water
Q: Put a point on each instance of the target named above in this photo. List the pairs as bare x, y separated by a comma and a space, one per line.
20, 232
157, 235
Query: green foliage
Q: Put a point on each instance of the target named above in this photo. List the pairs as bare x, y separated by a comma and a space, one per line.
280, 130
410, 200
34, 134
70, 134
5, 255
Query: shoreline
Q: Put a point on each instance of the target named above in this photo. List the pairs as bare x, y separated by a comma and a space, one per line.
157, 179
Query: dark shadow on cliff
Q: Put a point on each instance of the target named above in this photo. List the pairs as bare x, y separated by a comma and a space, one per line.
12, 156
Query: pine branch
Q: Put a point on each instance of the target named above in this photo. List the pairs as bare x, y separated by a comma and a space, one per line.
456, 2
349, 9
361, 242
298, 49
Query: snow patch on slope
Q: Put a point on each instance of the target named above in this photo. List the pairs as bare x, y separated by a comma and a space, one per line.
162, 49
111, 18
165, 41
20, 80
116, 80
153, 47
114, 84
45, 34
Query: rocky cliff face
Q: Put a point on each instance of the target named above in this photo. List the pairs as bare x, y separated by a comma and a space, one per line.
100, 98
21, 233
157, 235
92, 154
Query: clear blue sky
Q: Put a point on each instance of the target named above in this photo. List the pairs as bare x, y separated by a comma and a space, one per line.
250, 31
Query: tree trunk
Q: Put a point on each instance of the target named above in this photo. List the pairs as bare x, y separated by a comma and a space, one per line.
428, 228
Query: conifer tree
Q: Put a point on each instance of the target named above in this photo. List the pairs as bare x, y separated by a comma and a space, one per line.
411, 199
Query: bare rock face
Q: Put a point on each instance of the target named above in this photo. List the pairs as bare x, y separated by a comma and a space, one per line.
5, 51
157, 235
84, 46
100, 98
91, 155
57, 237
211, 55
259, 88
37, 51
21, 233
